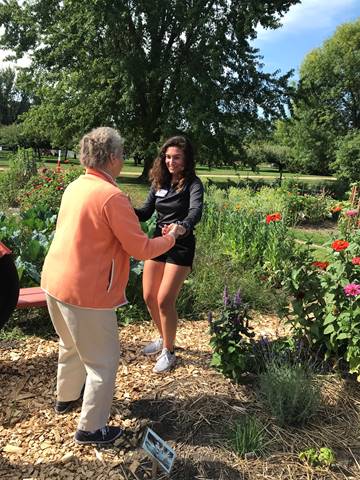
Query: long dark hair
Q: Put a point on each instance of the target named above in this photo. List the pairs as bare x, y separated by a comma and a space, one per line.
160, 175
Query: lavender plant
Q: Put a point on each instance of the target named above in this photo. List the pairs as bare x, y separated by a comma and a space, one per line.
231, 336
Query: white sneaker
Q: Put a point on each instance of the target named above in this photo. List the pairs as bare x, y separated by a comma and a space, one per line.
153, 347
165, 361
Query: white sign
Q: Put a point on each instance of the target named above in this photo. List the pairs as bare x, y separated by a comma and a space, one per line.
159, 450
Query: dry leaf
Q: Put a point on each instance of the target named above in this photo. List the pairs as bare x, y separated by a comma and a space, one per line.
133, 467
67, 457
12, 449
99, 456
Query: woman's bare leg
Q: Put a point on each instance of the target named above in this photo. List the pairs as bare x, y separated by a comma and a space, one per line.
172, 280
152, 278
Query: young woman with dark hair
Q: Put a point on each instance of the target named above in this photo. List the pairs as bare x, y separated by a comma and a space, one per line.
176, 194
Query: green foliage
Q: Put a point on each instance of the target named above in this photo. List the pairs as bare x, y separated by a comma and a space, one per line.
100, 63
242, 232
347, 163
323, 457
11, 136
22, 166
326, 106
13, 101
322, 307
270, 153
248, 436
290, 393
28, 236
311, 209
46, 188
230, 337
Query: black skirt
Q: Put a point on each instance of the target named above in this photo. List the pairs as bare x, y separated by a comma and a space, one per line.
182, 253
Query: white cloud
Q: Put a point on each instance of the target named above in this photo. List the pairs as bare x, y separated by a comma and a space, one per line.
23, 62
307, 16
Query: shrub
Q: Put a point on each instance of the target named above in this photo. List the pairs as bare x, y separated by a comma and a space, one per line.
311, 209
22, 166
326, 300
347, 163
290, 393
247, 436
44, 190
28, 235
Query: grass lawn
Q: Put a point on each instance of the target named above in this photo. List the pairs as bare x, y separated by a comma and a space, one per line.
266, 171
317, 236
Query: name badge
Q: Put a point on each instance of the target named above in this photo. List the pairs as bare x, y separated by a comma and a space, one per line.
161, 193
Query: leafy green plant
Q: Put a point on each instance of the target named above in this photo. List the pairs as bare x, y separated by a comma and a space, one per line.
22, 166
230, 336
45, 189
28, 235
326, 300
290, 393
248, 436
324, 457
248, 235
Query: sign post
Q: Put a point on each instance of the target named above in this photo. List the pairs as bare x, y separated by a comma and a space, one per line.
161, 453
58, 162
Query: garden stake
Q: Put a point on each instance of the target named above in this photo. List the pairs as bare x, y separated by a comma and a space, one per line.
154, 469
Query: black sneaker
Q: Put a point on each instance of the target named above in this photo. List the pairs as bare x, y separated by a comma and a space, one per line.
103, 435
65, 407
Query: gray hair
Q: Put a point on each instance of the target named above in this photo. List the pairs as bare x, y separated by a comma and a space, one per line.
97, 145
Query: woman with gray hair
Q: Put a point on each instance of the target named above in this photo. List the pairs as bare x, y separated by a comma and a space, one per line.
84, 276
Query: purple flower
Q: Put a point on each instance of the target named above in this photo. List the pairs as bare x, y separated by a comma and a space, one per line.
210, 317
352, 290
237, 299
351, 213
226, 297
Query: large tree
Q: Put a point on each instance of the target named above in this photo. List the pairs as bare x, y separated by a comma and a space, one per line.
13, 101
149, 67
327, 105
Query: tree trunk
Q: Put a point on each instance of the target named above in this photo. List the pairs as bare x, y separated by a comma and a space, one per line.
148, 161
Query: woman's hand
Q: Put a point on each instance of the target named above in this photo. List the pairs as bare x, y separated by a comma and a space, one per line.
173, 229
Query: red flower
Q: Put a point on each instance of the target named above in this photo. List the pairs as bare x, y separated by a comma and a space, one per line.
339, 245
337, 208
355, 261
274, 217
321, 265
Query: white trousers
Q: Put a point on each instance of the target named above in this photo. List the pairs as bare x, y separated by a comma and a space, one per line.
89, 352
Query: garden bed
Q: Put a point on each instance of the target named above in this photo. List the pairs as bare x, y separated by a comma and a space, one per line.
193, 408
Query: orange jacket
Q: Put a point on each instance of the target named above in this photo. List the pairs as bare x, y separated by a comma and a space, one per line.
97, 231
4, 250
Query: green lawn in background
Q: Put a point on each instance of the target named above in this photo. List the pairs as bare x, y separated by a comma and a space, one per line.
265, 171
317, 236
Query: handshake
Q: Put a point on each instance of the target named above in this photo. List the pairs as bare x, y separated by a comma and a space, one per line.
173, 229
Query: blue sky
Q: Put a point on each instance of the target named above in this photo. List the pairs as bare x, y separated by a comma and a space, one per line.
305, 27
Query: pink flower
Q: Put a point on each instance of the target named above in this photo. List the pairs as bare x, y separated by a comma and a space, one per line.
351, 213
352, 290
355, 261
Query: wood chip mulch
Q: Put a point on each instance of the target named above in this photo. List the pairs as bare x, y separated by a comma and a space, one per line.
193, 408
